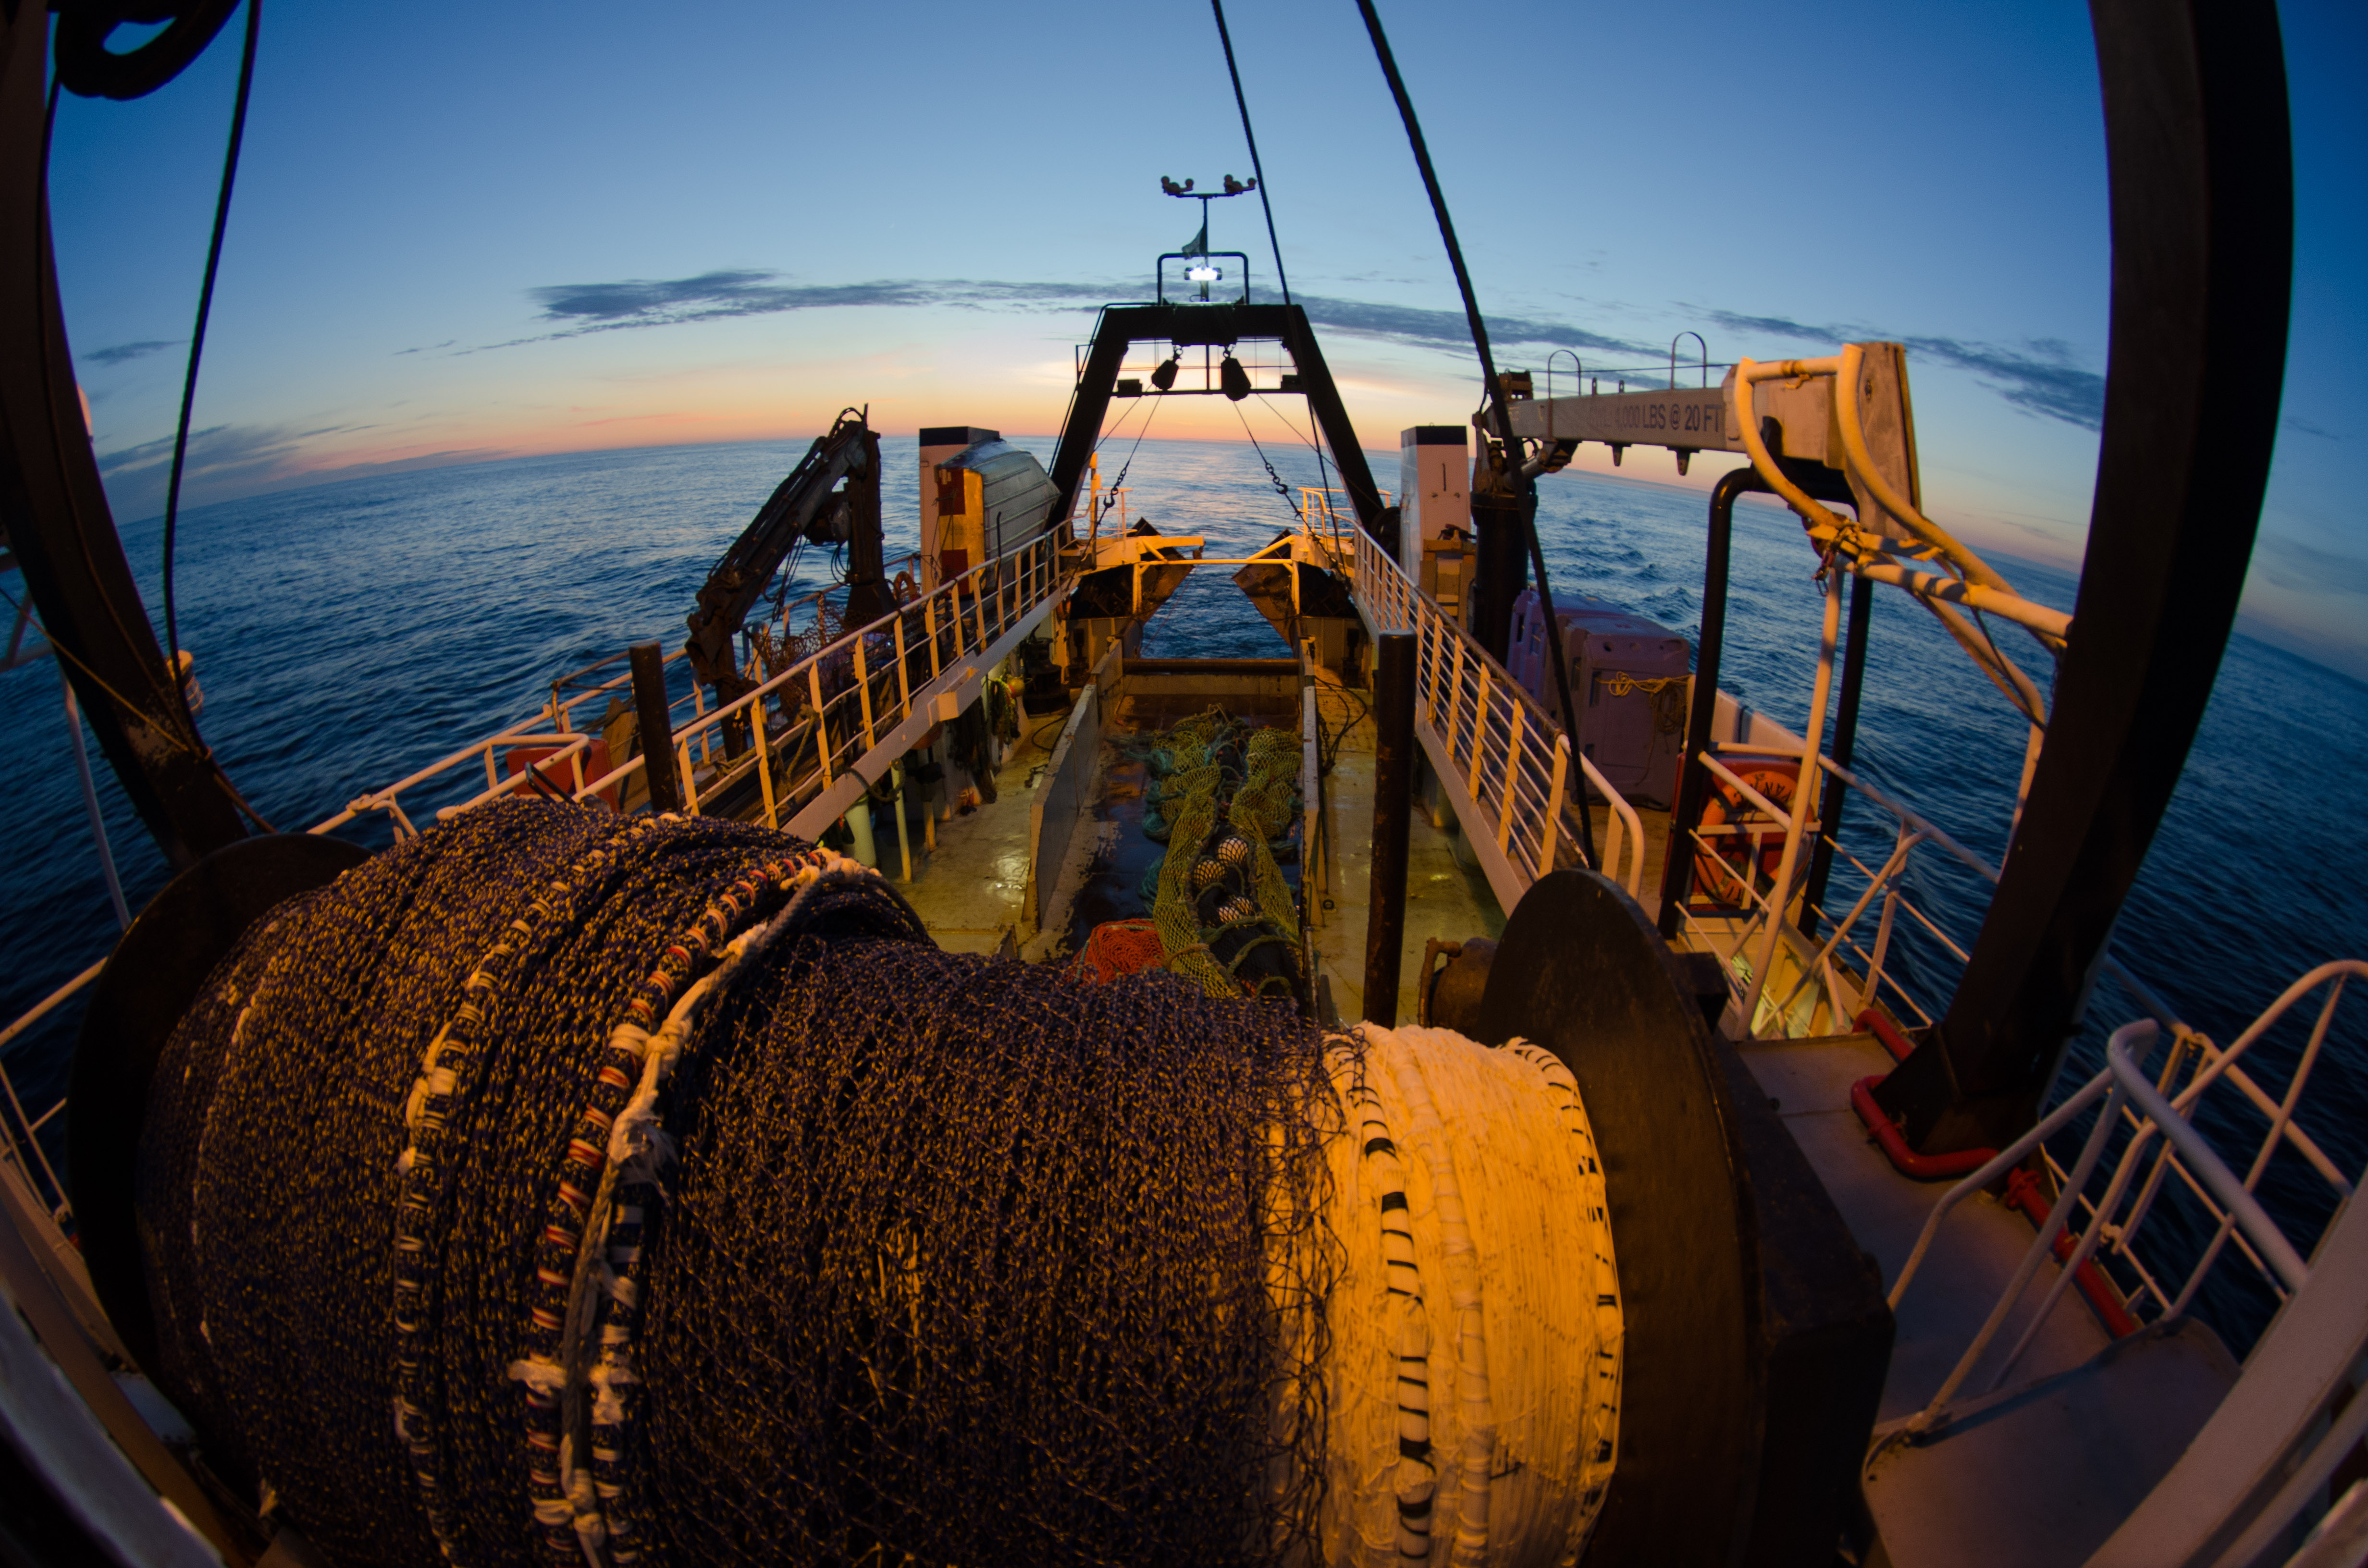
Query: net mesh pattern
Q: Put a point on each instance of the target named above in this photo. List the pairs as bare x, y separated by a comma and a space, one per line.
941, 1260
1223, 793
1117, 946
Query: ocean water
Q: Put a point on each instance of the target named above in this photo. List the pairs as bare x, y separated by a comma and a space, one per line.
351, 634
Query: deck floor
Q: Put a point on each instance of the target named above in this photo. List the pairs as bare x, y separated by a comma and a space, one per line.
1655, 823
1979, 1244
969, 889
1447, 896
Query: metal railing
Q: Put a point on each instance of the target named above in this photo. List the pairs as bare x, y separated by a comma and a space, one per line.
2151, 1113
814, 721
21, 1143
822, 620
1506, 764
1325, 516
1847, 969
1851, 970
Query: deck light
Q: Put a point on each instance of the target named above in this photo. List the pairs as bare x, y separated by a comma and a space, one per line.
1203, 273
1162, 375
1232, 380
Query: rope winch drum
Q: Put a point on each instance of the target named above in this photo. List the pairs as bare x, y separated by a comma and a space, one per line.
553, 1184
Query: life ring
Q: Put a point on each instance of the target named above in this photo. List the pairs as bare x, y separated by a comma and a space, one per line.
1718, 874
906, 590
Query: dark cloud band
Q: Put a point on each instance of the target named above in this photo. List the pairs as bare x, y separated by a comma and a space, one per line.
122, 353
242, 459
2040, 378
575, 309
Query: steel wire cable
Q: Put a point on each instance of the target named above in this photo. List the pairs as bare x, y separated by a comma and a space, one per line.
197, 333
1265, 203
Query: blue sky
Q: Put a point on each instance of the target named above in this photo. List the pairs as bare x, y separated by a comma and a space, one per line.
463, 232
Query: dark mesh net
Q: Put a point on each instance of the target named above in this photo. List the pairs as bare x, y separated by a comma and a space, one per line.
939, 1259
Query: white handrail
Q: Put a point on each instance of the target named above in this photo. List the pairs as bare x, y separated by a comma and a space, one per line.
988, 586
1507, 757
1624, 815
47, 1003
2043, 1247
2259, 1227
2140, 1100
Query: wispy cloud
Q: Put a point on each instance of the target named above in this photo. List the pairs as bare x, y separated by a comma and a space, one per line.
2289, 563
2295, 422
2041, 377
122, 353
1448, 329
573, 309
241, 460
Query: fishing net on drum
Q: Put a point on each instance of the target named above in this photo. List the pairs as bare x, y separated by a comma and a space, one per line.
977, 1264
555, 1182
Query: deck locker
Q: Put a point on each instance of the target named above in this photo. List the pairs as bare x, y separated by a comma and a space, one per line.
1628, 680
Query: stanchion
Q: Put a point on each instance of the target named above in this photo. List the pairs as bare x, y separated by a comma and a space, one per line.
1392, 801
657, 724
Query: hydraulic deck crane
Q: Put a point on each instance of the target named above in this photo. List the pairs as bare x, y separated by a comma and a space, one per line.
831, 497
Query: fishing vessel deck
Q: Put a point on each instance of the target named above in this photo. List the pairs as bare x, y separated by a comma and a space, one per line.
1059, 849
2014, 1323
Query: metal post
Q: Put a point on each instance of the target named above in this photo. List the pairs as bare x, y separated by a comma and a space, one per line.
90, 802
903, 833
657, 724
1694, 781
1393, 806
1501, 515
1829, 810
764, 760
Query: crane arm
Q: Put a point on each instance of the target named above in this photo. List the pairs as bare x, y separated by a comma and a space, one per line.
832, 496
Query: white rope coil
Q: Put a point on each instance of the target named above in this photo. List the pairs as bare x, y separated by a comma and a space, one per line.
1473, 1370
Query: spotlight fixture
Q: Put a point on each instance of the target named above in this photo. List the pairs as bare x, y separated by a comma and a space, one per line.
1204, 273
1162, 375
1232, 380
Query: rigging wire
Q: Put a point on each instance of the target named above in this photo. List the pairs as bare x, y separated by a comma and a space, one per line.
1249, 136
1328, 742
1266, 202
1153, 413
183, 743
1495, 390
1280, 487
190, 741
1118, 427
197, 345
1322, 465
1446, 225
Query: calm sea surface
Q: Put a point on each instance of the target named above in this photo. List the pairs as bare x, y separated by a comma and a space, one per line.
348, 634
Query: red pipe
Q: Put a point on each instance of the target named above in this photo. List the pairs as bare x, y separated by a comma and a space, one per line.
1883, 1030
1923, 1167
1907, 1161
2022, 1192
2023, 1187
